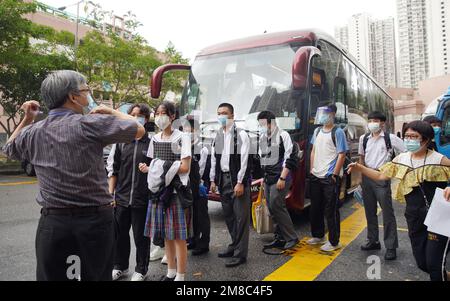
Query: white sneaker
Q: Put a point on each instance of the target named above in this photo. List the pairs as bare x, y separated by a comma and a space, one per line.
157, 253
316, 241
117, 274
328, 247
164, 259
138, 277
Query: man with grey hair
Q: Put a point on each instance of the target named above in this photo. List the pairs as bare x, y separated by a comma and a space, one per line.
75, 235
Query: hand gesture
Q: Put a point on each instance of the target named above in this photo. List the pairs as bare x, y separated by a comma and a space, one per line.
239, 190
30, 108
353, 167
143, 167
447, 194
281, 184
102, 109
213, 187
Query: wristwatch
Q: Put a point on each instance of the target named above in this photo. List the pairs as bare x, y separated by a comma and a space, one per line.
282, 179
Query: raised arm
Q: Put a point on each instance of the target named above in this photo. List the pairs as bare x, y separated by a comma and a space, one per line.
368, 172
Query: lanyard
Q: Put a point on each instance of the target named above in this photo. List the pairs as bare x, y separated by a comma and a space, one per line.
427, 203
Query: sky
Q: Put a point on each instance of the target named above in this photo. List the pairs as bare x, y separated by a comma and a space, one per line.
195, 24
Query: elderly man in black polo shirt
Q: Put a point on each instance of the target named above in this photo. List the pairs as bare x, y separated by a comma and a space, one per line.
66, 149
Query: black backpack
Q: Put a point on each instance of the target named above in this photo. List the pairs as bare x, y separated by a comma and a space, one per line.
387, 141
333, 133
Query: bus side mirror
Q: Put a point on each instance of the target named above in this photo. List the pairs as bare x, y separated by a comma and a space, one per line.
157, 77
301, 66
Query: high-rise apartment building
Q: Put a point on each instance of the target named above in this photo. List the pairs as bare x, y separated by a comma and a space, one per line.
438, 25
413, 42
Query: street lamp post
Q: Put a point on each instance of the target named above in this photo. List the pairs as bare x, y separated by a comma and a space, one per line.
76, 30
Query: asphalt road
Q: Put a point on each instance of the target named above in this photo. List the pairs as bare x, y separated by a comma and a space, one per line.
19, 214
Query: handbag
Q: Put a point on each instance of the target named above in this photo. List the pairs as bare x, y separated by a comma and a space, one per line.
255, 204
264, 223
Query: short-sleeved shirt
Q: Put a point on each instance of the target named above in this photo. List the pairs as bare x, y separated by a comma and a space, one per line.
326, 153
66, 150
376, 154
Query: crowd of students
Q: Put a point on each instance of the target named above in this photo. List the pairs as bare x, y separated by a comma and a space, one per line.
159, 184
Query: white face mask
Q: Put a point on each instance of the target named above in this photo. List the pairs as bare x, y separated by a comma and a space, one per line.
374, 127
162, 121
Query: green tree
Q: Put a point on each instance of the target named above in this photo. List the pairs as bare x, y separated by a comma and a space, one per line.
173, 81
23, 66
125, 65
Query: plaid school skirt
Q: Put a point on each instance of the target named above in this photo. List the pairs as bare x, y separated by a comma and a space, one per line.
173, 223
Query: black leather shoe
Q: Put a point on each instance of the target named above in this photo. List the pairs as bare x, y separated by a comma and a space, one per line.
391, 254
234, 262
197, 252
371, 246
165, 278
226, 254
275, 244
290, 244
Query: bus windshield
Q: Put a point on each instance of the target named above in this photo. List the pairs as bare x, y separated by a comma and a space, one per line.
252, 81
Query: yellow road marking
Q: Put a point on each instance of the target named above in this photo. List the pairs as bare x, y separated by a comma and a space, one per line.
308, 261
18, 183
20, 177
398, 229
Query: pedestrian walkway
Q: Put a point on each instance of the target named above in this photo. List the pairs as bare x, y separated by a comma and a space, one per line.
309, 261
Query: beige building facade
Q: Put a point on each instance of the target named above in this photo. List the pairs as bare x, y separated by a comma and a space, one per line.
410, 104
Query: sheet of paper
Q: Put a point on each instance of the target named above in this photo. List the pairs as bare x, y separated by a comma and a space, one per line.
438, 217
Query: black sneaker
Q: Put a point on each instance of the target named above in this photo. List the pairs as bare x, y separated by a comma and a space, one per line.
371, 246
226, 254
165, 278
290, 244
199, 251
275, 244
391, 254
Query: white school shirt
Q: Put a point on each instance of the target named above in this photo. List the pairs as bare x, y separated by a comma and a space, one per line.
185, 151
225, 159
287, 142
376, 152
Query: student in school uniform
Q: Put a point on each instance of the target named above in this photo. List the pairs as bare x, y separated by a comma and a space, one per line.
129, 187
169, 213
199, 178
376, 149
230, 171
279, 157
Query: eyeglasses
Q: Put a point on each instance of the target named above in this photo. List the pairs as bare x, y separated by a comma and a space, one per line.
412, 137
85, 90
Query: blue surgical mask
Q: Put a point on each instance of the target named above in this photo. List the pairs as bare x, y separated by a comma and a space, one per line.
263, 130
89, 107
92, 104
141, 120
374, 127
437, 130
222, 120
324, 119
412, 146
